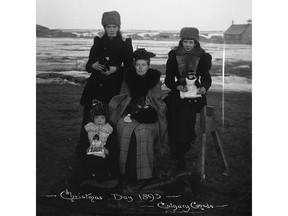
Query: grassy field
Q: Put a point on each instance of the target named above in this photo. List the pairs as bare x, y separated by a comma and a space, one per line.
59, 116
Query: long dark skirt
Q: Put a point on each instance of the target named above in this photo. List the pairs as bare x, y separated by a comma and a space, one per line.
181, 118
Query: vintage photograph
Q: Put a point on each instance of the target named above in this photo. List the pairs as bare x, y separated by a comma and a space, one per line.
143, 107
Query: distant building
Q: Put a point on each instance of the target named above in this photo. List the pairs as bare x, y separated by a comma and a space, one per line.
239, 34
165, 36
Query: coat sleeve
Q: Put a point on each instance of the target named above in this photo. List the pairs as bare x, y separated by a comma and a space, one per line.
155, 96
124, 88
82, 146
117, 106
128, 58
205, 64
171, 69
112, 145
93, 55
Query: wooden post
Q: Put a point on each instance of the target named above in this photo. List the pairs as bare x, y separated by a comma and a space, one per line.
219, 150
201, 157
207, 123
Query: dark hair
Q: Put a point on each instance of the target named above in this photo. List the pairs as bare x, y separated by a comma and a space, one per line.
118, 35
98, 108
197, 44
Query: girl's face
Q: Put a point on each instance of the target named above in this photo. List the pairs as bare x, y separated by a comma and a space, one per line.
99, 120
141, 66
188, 44
111, 30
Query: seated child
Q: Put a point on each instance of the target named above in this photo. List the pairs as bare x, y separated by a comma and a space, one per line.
98, 132
98, 151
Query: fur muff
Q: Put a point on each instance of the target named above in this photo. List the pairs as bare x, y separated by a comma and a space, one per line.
145, 115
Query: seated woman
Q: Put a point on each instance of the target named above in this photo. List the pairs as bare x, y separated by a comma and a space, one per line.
140, 118
98, 151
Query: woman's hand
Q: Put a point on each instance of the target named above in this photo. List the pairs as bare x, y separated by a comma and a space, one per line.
182, 88
201, 91
112, 70
98, 66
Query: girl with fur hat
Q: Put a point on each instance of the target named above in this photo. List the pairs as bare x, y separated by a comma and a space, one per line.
105, 62
99, 150
139, 115
106, 57
187, 68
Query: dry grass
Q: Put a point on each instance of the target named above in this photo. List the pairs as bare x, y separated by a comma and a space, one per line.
58, 123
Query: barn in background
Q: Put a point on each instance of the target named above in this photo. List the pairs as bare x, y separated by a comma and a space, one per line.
239, 34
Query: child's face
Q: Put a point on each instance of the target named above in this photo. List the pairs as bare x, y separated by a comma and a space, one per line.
188, 44
111, 30
99, 120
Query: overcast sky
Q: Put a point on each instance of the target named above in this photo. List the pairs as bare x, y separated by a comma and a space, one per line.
144, 14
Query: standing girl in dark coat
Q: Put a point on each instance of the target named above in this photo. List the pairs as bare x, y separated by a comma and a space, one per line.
106, 77
186, 62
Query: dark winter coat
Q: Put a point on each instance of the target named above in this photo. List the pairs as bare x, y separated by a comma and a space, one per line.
202, 72
181, 113
100, 86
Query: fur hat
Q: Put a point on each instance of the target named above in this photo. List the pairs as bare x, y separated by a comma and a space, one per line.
189, 33
111, 17
142, 54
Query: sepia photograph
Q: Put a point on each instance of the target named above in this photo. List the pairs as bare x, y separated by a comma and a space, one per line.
143, 107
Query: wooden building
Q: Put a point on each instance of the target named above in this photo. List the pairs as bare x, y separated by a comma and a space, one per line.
239, 34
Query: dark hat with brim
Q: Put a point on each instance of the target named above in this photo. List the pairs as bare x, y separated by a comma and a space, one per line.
142, 54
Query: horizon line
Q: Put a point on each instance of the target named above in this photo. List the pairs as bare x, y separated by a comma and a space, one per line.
97, 29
